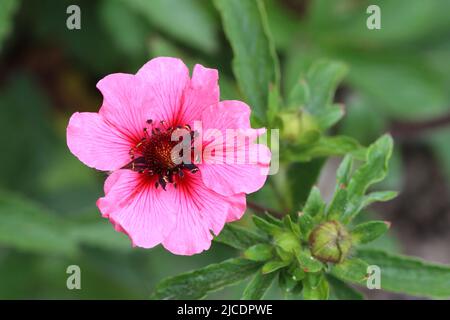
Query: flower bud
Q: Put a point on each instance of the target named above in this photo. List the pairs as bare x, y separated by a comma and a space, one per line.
297, 125
330, 242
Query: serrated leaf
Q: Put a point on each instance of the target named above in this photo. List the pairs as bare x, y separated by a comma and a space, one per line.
374, 170
409, 275
255, 64
197, 284
342, 291
259, 252
238, 237
258, 286
369, 231
353, 270
274, 265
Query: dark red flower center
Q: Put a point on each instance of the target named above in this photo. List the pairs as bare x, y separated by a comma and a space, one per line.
156, 155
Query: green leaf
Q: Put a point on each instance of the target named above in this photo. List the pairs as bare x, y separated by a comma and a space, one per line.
397, 85
188, 21
353, 270
274, 265
314, 204
374, 170
343, 173
342, 291
197, 284
409, 275
26, 226
286, 281
319, 291
308, 262
323, 78
266, 226
324, 147
238, 237
378, 196
259, 285
255, 64
338, 204
299, 95
291, 225
312, 213
259, 252
333, 115
274, 103
7, 12
369, 231
288, 241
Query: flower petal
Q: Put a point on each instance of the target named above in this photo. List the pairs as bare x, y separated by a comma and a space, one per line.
134, 206
231, 178
127, 104
200, 211
202, 92
238, 164
165, 80
238, 205
96, 143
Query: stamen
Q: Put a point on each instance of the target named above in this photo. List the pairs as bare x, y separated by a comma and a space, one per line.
152, 155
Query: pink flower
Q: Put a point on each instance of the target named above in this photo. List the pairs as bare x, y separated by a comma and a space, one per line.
149, 196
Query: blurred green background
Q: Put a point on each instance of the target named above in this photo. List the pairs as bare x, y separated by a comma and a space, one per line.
398, 81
